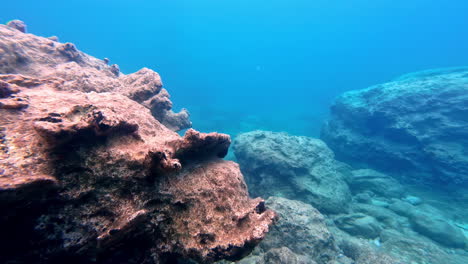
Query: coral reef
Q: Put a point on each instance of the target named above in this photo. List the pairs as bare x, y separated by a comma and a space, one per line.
89, 175
414, 127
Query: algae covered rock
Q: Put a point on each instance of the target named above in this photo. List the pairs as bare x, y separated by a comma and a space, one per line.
300, 168
414, 127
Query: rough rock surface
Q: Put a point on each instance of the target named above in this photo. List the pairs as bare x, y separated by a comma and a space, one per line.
375, 182
73, 70
414, 126
359, 225
360, 252
88, 175
300, 235
285, 255
302, 229
413, 249
299, 168
438, 229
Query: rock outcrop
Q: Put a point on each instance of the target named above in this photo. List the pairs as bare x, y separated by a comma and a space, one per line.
415, 127
88, 175
299, 168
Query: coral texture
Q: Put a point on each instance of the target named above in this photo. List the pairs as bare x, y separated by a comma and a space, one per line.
87, 174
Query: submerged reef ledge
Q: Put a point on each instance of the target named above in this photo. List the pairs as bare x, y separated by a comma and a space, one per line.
91, 170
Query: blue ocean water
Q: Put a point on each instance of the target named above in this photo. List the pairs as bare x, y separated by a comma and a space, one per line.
248, 64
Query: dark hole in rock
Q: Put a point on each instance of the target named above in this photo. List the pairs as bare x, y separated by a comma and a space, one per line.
206, 238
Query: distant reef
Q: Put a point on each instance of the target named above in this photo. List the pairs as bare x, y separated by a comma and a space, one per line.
91, 170
415, 127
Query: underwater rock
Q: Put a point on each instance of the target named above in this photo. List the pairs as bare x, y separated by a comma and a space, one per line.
413, 249
300, 168
285, 255
361, 252
387, 218
302, 229
431, 223
88, 175
414, 127
402, 208
438, 230
73, 70
376, 182
359, 224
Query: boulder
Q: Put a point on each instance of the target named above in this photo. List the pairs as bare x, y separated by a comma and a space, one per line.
438, 229
414, 127
361, 252
387, 218
301, 168
402, 208
359, 224
302, 229
380, 184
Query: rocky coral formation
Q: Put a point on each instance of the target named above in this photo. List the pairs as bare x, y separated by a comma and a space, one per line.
414, 127
88, 175
300, 168
73, 70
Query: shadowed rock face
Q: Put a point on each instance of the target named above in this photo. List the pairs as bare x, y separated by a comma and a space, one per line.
414, 126
87, 174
